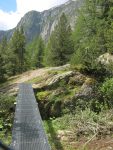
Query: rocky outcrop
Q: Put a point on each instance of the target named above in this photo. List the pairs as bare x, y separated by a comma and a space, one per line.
77, 79
106, 59
87, 89
43, 23
57, 78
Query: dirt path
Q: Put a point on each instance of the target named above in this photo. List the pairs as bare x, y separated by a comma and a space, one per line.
11, 86
31, 74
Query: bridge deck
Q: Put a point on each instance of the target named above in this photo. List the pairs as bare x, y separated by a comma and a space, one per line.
28, 132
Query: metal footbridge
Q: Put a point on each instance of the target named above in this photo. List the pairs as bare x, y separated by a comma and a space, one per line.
28, 132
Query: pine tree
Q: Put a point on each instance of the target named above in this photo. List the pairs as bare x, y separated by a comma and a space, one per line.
2, 68
21, 53
3, 59
60, 45
52, 51
17, 45
40, 52
90, 33
65, 41
31, 53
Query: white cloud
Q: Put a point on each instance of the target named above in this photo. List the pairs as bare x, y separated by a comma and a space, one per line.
39, 5
9, 20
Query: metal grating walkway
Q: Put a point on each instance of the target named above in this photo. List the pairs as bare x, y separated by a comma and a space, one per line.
28, 132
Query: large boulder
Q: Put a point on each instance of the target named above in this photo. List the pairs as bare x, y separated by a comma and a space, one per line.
105, 59
57, 78
77, 79
87, 89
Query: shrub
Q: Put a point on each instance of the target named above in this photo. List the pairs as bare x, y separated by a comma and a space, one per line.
6, 117
43, 95
107, 91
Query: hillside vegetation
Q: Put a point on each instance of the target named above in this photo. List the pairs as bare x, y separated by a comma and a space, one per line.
72, 78
70, 103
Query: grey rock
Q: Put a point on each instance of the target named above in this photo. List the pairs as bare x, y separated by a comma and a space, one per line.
56, 78
86, 90
78, 79
105, 59
43, 23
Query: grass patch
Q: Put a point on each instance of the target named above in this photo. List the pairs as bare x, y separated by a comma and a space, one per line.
71, 92
35, 80
9, 81
6, 138
52, 126
83, 124
43, 95
54, 72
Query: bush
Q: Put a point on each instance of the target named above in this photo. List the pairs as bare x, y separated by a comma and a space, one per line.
43, 95
107, 91
6, 117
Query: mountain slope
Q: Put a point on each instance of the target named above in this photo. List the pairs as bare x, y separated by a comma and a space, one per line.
42, 23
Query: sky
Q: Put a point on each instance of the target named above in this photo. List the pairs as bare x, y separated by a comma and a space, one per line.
11, 11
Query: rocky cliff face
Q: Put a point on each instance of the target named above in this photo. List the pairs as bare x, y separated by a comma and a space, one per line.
43, 23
